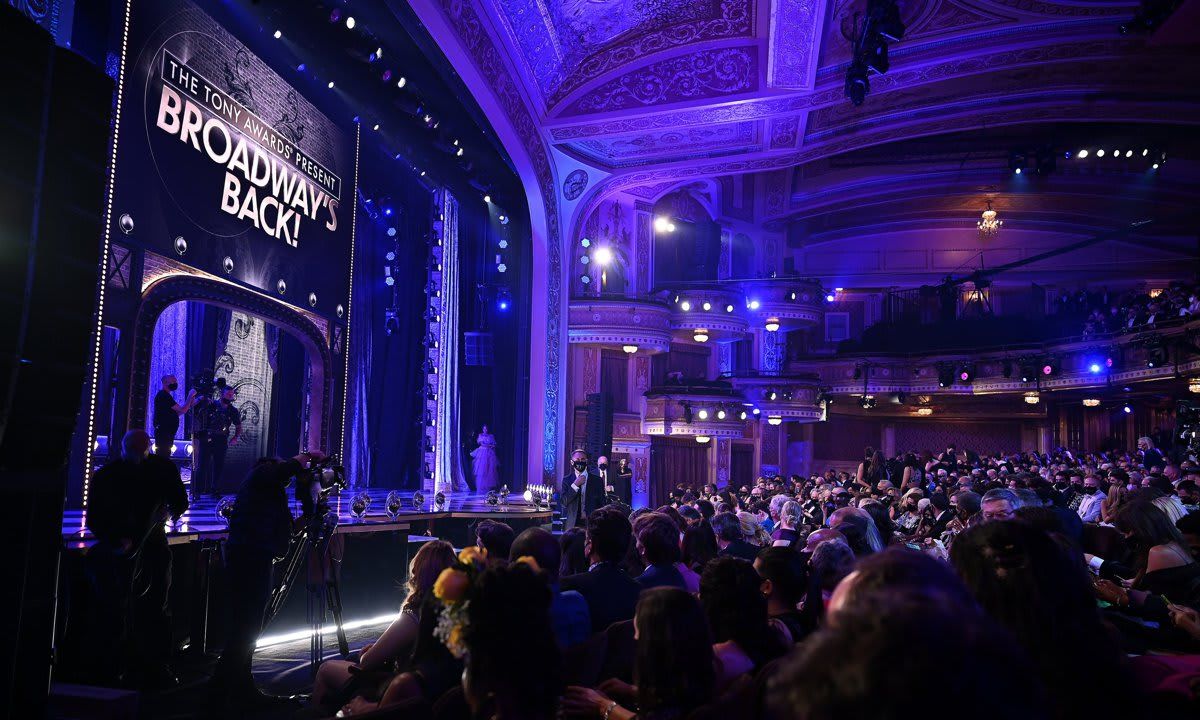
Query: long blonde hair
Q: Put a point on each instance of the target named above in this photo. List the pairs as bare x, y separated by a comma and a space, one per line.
431, 559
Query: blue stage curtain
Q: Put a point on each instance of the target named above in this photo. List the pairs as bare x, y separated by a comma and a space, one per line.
168, 356
358, 460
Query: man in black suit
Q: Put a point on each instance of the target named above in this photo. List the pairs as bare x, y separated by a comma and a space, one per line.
610, 593
581, 493
730, 539
658, 545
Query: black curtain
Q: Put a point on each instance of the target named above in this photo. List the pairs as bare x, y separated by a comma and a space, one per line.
741, 465
614, 378
674, 461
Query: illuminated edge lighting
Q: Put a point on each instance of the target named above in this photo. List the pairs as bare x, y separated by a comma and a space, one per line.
104, 252
700, 336
349, 300
702, 439
1032, 397
774, 420
772, 325
280, 638
629, 349
1091, 402
703, 414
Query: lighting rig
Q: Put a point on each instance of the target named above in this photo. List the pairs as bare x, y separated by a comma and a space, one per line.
869, 46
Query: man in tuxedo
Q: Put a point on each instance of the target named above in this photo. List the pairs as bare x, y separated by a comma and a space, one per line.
581, 493
610, 592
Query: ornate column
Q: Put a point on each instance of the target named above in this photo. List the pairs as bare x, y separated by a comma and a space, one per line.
644, 246
720, 468
770, 448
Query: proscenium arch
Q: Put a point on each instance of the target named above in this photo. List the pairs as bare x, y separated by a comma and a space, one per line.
171, 289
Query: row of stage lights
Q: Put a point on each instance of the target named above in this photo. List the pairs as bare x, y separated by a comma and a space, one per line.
389, 77
1045, 160
1101, 153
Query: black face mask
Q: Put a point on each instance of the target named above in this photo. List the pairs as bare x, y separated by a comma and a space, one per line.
580, 465
1088, 490
173, 387
603, 466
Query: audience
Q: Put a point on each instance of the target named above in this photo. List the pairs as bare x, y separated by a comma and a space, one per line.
610, 592
733, 601
568, 610
496, 538
658, 544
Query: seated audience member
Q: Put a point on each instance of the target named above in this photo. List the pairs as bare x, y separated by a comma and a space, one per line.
937, 516
1189, 495
902, 571
706, 508
673, 669
509, 634
658, 544
876, 663
1189, 528
858, 528
999, 504
730, 540
1093, 499
905, 515
573, 559
568, 610
496, 538
752, 530
333, 685
1162, 565
699, 546
787, 533
731, 594
610, 592
691, 516
784, 581
1038, 588
882, 521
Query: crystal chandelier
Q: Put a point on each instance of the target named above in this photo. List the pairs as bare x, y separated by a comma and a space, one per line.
989, 223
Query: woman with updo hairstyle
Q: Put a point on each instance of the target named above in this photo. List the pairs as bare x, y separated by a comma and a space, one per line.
731, 594
513, 663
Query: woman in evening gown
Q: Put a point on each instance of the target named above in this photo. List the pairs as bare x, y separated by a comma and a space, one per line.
484, 464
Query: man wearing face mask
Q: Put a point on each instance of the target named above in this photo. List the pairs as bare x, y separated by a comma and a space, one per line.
167, 413
581, 492
1093, 497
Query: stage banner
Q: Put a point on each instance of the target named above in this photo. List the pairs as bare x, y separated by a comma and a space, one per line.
224, 166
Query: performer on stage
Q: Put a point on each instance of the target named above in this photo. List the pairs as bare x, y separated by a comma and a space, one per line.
623, 481
211, 440
485, 466
581, 493
167, 413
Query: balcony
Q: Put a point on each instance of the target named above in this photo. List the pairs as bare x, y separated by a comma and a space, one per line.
709, 313
633, 324
791, 305
706, 411
781, 396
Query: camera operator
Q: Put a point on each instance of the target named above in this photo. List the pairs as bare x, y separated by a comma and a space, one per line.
130, 565
260, 529
211, 439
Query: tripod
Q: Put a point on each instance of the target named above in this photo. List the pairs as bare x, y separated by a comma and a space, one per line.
315, 548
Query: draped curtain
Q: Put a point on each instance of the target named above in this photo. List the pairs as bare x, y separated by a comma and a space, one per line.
448, 471
168, 356
358, 460
674, 461
614, 375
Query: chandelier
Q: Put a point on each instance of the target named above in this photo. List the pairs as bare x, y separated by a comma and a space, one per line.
1194, 385
1032, 397
1091, 402
989, 222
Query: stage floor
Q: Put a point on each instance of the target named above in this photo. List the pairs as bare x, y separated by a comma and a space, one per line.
202, 522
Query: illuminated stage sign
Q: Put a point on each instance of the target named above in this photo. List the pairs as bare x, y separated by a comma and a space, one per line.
222, 165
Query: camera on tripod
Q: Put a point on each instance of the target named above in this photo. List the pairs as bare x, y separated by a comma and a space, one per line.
314, 485
206, 384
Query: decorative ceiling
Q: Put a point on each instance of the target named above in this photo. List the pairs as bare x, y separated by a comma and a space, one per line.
648, 94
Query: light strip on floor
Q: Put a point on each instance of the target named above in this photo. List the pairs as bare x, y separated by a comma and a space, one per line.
279, 639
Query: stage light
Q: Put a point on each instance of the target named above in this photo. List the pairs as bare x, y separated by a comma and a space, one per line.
603, 255
387, 211
728, 308
1127, 409
278, 34
502, 267
629, 349
401, 82
330, 85
502, 244
350, 23
772, 325
1154, 166
700, 336
756, 411
459, 153
391, 232
585, 279
1017, 171
487, 199
1094, 368
685, 306
375, 126
829, 297
389, 281
503, 219
1100, 153
772, 396
793, 295
774, 420
1128, 153
1083, 154
390, 256
754, 305
189, 449
966, 372
721, 414
707, 305
585, 243
503, 299
945, 373
703, 414
422, 173
1145, 152
742, 415
838, 289
702, 439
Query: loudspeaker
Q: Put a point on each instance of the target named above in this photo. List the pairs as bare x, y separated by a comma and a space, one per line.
52, 168
598, 440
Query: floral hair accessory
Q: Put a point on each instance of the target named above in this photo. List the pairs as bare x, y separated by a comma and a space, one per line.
451, 588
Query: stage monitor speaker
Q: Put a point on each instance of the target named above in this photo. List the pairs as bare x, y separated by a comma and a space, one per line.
598, 440
53, 159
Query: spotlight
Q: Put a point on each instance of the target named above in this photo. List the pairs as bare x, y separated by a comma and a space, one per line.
350, 23
1082, 154
585, 243
830, 297
1017, 171
1029, 370
703, 414
857, 84
772, 396
629, 349
700, 336
502, 244
330, 85
754, 305
945, 375
685, 306
772, 325
503, 299
1017, 160
1095, 368
720, 414
742, 415
391, 255
707, 306
604, 256
585, 279
756, 411
459, 153
1154, 166
1127, 409
278, 34
966, 373
1128, 153
1156, 355
1100, 153
728, 308
401, 82
487, 199
774, 420
1145, 152
389, 281
375, 126
502, 267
